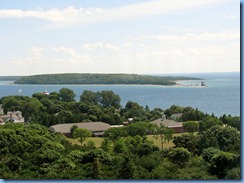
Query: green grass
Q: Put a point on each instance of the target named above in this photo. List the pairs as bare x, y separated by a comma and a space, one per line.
98, 141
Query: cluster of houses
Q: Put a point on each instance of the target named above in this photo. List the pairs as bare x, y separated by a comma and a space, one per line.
97, 128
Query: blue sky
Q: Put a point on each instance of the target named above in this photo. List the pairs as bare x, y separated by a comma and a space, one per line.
129, 36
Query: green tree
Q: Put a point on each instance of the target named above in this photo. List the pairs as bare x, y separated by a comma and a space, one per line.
14, 163
39, 96
208, 122
195, 168
66, 95
165, 170
89, 97
96, 169
139, 128
13, 103
179, 155
191, 126
119, 146
106, 144
90, 145
164, 133
220, 162
114, 134
32, 108
231, 121
132, 110
224, 138
127, 168
190, 114
173, 110
54, 96
72, 129
187, 141
228, 139
234, 173
109, 99
82, 134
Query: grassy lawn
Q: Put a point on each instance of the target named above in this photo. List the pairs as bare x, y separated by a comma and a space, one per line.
157, 142
98, 141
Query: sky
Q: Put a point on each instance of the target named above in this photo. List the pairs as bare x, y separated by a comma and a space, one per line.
119, 36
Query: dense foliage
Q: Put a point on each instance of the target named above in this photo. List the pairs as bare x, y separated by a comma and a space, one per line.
99, 79
30, 151
210, 149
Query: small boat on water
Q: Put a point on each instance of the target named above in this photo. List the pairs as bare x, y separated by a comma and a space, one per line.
45, 92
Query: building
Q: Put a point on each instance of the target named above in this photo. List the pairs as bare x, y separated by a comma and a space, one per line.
13, 116
176, 126
97, 128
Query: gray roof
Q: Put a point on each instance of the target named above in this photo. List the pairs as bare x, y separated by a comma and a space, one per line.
15, 115
178, 115
167, 123
92, 126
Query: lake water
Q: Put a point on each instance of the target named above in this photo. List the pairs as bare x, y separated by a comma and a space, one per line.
221, 96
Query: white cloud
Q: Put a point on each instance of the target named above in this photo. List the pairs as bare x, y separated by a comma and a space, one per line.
36, 51
68, 15
73, 15
100, 45
92, 46
231, 16
111, 47
128, 45
206, 36
70, 55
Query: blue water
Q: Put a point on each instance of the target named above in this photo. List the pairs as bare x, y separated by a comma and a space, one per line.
221, 96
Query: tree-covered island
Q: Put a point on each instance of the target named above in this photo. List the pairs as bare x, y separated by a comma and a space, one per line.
74, 78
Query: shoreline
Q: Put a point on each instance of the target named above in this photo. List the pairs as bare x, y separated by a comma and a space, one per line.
190, 85
178, 84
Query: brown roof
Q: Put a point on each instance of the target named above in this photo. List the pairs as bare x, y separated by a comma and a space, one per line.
167, 123
92, 126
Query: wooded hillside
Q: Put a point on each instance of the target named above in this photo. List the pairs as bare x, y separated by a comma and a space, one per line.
99, 79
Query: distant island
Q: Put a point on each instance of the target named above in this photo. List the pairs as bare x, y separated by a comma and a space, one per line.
75, 78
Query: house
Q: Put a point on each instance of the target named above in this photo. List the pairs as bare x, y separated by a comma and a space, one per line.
14, 116
176, 116
97, 128
176, 126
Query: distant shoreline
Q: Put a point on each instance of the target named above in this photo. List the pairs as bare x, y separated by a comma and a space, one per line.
175, 85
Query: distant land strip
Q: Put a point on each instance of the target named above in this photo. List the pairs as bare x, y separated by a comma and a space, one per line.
10, 78
75, 78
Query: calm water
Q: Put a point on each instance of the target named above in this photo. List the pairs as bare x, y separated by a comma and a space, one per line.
221, 96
